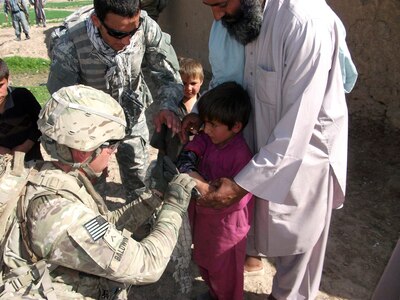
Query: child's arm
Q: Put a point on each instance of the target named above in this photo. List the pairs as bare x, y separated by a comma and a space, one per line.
187, 163
202, 186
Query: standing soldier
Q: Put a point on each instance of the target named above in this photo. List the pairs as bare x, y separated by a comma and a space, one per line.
104, 48
19, 15
153, 7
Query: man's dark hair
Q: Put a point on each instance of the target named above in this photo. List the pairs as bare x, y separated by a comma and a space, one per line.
4, 71
124, 8
227, 103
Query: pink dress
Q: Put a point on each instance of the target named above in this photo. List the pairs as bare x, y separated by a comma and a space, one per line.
219, 235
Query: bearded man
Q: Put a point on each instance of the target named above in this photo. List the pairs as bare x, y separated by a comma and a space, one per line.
298, 132
228, 37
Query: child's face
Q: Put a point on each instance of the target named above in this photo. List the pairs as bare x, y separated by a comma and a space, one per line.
219, 133
191, 86
3, 90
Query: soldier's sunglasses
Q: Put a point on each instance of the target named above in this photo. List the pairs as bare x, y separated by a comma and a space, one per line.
111, 144
120, 34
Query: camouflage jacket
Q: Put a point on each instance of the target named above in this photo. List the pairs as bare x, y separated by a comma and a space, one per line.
75, 61
70, 227
153, 7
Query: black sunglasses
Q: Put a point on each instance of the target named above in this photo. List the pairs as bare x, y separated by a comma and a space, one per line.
120, 34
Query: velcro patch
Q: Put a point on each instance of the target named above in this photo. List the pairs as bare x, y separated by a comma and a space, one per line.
97, 227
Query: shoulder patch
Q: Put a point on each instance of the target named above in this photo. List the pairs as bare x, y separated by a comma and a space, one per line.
97, 227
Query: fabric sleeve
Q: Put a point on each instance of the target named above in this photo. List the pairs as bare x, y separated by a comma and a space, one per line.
32, 108
187, 162
348, 68
134, 214
64, 68
163, 64
226, 56
69, 234
192, 153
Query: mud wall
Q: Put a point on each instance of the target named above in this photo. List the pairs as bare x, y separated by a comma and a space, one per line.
373, 37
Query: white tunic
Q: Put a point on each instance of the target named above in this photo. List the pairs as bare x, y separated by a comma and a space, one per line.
298, 128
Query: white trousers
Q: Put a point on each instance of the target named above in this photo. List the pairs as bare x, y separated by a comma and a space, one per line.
298, 276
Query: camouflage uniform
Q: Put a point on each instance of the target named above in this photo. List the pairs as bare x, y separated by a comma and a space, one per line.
153, 7
58, 227
63, 222
75, 60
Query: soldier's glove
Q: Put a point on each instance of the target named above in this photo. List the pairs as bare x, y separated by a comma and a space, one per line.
162, 173
177, 195
169, 169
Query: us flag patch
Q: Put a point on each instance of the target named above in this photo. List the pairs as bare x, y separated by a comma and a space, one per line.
97, 227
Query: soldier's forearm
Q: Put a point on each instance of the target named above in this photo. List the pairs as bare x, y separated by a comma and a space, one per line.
169, 98
131, 216
144, 262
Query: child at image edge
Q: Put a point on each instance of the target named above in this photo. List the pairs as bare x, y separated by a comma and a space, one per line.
219, 150
19, 112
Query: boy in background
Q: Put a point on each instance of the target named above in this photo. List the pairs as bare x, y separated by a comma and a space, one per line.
170, 145
19, 112
165, 141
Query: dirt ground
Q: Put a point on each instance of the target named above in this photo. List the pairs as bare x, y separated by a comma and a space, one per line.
363, 233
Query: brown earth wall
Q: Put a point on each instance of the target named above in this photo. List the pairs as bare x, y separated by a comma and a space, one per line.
373, 37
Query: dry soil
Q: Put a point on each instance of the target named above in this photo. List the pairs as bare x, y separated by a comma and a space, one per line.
363, 233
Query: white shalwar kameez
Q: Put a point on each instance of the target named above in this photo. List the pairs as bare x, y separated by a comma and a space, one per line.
298, 131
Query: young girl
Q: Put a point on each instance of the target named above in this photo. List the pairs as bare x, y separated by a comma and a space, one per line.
219, 235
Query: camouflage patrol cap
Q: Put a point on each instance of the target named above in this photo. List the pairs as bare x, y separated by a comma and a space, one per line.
82, 118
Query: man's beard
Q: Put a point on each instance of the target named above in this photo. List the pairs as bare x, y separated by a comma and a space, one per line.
245, 25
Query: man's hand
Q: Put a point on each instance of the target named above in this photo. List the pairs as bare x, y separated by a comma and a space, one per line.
190, 123
168, 118
226, 193
178, 193
203, 187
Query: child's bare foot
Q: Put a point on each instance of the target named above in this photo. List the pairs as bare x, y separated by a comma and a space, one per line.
253, 263
253, 266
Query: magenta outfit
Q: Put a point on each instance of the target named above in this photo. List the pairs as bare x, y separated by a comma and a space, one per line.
219, 235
